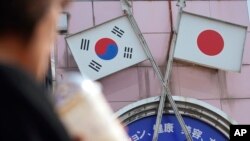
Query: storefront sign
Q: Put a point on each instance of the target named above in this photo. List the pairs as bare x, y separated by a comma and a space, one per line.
170, 130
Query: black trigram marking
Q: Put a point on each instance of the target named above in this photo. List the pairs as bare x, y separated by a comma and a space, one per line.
128, 52
95, 66
85, 44
117, 31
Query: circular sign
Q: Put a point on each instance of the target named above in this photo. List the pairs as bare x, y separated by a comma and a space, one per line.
170, 129
210, 42
106, 49
204, 122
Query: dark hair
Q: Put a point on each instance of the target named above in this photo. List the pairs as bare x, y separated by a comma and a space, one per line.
20, 17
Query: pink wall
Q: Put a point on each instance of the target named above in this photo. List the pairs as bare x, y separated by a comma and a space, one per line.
227, 91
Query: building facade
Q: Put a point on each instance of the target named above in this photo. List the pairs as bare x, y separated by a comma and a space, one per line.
228, 91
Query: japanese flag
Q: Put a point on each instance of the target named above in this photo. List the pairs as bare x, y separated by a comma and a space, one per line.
107, 48
210, 42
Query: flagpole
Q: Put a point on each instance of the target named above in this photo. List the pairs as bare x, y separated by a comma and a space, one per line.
181, 4
166, 91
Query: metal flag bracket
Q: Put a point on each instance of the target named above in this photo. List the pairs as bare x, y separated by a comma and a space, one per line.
127, 8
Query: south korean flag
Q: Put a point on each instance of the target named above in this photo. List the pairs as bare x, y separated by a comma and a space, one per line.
106, 48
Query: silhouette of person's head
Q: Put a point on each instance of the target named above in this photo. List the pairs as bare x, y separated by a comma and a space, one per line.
27, 31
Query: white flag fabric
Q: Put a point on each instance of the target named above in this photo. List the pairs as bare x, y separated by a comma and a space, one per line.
106, 48
210, 42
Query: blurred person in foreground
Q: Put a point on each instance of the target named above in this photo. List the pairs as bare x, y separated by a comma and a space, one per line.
27, 31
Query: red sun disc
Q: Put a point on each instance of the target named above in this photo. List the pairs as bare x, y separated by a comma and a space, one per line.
210, 42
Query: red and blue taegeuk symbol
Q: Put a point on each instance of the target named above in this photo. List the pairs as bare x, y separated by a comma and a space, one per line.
106, 48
